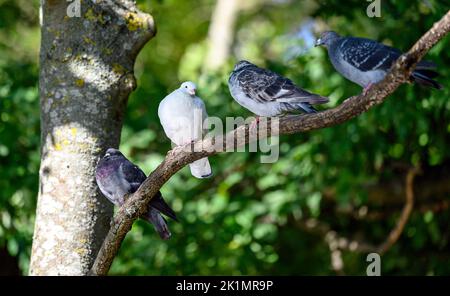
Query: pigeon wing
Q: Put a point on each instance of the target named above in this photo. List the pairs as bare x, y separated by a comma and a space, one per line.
160, 204
368, 55
265, 86
135, 176
132, 174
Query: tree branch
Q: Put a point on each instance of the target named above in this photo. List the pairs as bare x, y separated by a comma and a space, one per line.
406, 213
179, 157
86, 62
338, 243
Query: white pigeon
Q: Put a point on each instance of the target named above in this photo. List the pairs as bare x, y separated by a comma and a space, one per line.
182, 114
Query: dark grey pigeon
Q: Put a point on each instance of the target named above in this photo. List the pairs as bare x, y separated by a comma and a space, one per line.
116, 176
266, 93
366, 62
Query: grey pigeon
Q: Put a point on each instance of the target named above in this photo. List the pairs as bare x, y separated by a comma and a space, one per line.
116, 176
366, 62
266, 93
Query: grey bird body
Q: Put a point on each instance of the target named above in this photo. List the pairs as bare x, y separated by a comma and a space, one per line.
116, 177
266, 93
366, 62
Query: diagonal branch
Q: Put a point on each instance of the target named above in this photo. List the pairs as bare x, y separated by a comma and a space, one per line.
179, 157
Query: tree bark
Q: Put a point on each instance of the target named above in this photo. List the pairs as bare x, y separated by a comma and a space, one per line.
431, 186
86, 76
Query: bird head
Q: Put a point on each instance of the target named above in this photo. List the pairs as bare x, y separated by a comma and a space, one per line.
241, 64
112, 152
326, 38
189, 88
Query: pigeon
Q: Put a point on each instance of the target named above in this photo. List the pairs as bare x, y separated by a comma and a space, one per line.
182, 114
366, 62
266, 93
116, 177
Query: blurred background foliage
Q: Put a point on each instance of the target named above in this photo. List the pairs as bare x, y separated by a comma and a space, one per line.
252, 218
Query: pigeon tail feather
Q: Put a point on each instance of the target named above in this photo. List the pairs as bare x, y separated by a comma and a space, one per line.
201, 168
316, 100
426, 65
163, 207
423, 77
159, 223
428, 73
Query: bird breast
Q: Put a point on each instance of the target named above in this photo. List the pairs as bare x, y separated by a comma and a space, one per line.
181, 118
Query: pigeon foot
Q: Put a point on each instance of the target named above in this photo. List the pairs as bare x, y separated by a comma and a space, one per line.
254, 123
367, 88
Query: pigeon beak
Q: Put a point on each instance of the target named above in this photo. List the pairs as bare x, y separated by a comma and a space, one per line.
107, 154
318, 42
192, 92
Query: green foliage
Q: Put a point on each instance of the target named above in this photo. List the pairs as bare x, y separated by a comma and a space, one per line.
19, 128
244, 219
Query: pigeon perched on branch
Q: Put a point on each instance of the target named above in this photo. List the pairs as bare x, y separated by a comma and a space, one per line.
266, 93
366, 62
182, 114
117, 177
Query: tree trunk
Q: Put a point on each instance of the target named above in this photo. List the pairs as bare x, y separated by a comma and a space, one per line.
221, 33
86, 75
